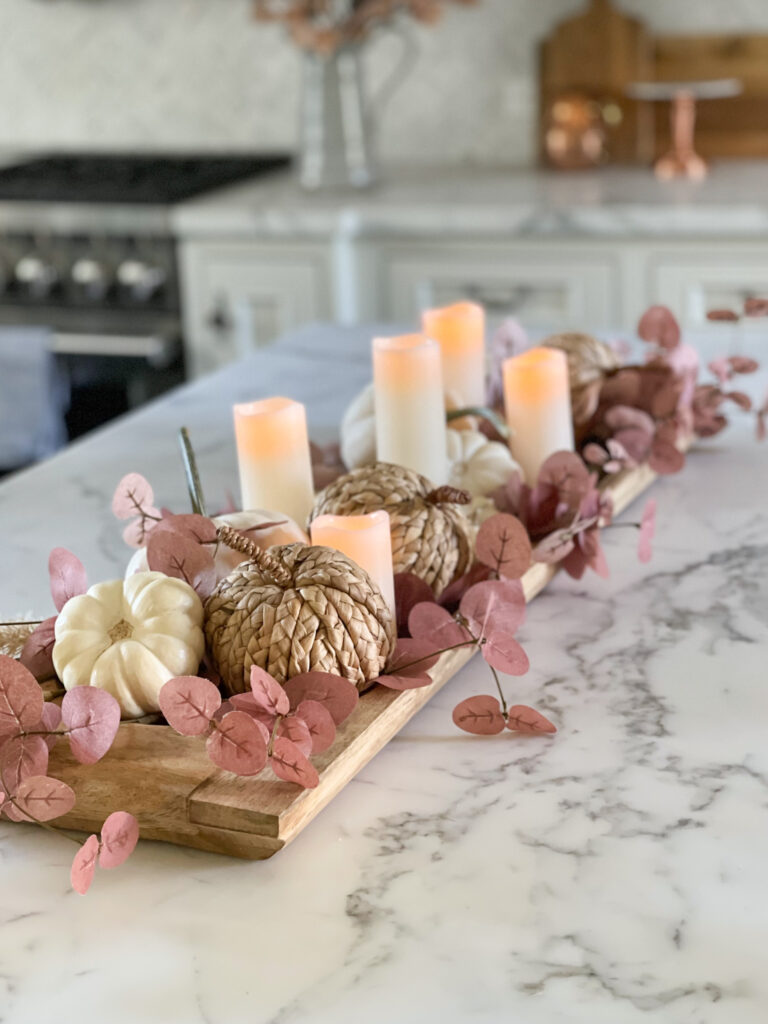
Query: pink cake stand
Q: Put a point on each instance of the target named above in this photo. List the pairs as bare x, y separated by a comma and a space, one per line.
682, 161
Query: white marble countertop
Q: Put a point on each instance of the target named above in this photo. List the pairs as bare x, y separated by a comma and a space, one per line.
439, 201
616, 874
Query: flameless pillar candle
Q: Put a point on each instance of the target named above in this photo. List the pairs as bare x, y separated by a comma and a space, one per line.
273, 456
410, 409
460, 332
537, 400
366, 540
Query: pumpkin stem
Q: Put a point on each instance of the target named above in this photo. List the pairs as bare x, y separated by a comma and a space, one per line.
484, 412
194, 486
269, 566
121, 630
448, 495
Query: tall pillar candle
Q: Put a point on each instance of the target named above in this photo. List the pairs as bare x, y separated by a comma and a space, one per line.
410, 409
460, 332
365, 539
537, 401
273, 456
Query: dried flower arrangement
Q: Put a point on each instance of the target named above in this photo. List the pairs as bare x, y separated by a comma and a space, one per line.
320, 25
157, 643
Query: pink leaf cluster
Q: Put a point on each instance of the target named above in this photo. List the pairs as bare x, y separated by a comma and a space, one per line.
119, 835
270, 724
483, 716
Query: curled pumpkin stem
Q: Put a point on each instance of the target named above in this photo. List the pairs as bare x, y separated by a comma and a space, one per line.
448, 495
269, 566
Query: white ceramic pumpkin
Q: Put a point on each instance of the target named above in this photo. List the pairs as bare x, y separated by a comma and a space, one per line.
129, 637
358, 430
287, 532
477, 464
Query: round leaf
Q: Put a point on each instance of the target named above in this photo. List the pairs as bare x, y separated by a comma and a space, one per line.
503, 544
505, 654
322, 728
494, 605
91, 717
84, 865
338, 695
432, 623
119, 835
297, 731
237, 744
268, 692
521, 718
479, 715
68, 577
40, 798
658, 324
20, 758
37, 652
21, 699
288, 763
189, 703
181, 557
132, 495
410, 590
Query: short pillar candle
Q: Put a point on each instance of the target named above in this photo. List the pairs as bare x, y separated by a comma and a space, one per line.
410, 409
367, 540
273, 457
460, 332
537, 400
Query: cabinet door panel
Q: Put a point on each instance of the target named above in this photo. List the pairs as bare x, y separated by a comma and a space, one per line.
691, 282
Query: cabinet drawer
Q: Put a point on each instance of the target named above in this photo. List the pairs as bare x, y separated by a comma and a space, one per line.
553, 288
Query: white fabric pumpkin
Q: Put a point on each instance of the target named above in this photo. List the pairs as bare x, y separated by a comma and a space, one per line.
129, 637
226, 559
477, 464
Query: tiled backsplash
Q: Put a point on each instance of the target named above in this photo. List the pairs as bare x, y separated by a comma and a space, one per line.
202, 73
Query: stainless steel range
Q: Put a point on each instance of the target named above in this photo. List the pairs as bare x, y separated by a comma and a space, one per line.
86, 249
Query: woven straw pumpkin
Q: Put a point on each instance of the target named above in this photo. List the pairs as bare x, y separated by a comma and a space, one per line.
297, 609
590, 361
431, 536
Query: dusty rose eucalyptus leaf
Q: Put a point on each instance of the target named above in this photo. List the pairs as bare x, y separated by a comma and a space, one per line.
336, 694
505, 654
412, 657
594, 454
410, 590
179, 556
414, 681
40, 798
289, 764
68, 576
138, 530
431, 622
268, 692
522, 718
297, 731
320, 723
91, 717
741, 399
84, 865
21, 699
503, 544
721, 368
494, 605
658, 324
199, 529
50, 721
247, 702
20, 758
453, 593
554, 547
237, 744
37, 652
479, 715
566, 473
724, 315
665, 458
119, 835
743, 364
132, 496
647, 531
189, 703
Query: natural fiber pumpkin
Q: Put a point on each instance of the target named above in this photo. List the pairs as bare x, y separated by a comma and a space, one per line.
431, 536
297, 609
590, 361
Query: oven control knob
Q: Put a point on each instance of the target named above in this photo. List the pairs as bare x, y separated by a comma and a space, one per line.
36, 276
89, 275
142, 281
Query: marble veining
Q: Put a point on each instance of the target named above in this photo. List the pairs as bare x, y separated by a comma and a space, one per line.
615, 874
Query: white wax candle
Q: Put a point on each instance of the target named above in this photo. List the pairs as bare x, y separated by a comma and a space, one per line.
366, 540
273, 456
410, 409
460, 332
537, 401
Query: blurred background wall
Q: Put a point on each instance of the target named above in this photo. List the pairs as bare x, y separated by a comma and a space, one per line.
202, 74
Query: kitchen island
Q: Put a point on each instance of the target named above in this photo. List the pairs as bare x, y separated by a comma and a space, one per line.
613, 874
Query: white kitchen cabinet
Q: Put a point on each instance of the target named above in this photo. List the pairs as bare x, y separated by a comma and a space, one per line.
545, 284
238, 296
714, 274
